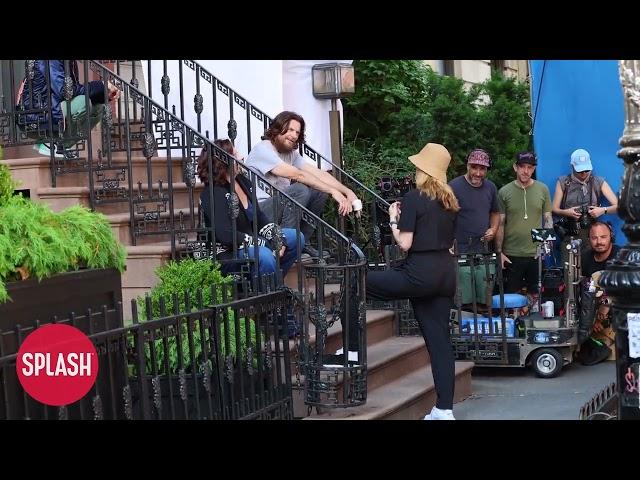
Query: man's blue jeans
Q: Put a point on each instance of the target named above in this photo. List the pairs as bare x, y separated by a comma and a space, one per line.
266, 255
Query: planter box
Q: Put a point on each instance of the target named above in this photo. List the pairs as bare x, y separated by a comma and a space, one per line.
58, 296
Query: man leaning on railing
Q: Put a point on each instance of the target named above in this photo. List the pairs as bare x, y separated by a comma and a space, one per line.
242, 235
277, 158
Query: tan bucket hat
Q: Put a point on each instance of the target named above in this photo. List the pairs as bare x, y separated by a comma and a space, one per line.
433, 159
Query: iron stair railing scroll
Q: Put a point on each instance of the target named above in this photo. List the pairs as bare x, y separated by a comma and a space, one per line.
347, 267
215, 105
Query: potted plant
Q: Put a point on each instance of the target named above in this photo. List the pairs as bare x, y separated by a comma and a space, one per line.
188, 277
52, 264
68, 261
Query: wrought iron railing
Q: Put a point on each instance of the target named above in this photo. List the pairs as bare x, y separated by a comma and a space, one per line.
334, 379
141, 162
348, 258
205, 102
227, 361
603, 405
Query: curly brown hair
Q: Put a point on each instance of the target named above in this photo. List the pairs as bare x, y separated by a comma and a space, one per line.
280, 124
436, 190
219, 167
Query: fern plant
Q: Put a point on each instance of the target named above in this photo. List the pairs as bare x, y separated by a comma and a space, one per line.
191, 276
7, 184
37, 242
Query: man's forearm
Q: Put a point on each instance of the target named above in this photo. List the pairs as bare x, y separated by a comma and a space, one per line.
548, 220
329, 179
494, 221
314, 182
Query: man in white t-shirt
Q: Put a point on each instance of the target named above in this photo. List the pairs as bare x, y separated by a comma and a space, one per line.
277, 158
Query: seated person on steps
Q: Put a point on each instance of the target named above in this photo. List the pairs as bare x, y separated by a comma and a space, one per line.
277, 158
225, 237
68, 118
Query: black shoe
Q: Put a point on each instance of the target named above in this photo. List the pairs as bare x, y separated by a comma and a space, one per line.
71, 155
313, 252
593, 352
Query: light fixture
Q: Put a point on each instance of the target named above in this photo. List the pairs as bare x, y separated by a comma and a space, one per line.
333, 80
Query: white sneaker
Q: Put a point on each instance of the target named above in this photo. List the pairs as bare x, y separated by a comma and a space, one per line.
44, 150
438, 414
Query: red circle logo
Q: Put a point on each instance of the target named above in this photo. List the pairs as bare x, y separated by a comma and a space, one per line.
57, 364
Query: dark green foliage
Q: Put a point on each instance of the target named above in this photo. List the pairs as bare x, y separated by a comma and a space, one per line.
399, 106
190, 276
37, 242
7, 185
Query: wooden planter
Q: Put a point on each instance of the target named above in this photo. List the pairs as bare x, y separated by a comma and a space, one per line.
56, 296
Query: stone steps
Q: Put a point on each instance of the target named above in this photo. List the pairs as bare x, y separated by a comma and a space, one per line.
408, 397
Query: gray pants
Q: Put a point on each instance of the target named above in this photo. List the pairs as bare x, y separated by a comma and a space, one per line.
313, 200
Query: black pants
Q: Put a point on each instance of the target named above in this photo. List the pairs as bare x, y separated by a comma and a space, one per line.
428, 280
521, 272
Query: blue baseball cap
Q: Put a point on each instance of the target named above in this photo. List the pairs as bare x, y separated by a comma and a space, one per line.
581, 160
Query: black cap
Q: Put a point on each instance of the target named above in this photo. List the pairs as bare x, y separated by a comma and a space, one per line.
526, 157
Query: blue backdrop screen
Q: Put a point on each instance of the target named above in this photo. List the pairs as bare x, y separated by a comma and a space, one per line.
578, 104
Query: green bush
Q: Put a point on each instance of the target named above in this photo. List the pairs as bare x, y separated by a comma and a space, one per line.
399, 106
7, 185
37, 242
190, 276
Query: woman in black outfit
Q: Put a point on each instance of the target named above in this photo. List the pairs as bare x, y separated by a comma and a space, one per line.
425, 229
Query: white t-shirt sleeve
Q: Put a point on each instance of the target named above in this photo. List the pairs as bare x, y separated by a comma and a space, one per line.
263, 158
298, 160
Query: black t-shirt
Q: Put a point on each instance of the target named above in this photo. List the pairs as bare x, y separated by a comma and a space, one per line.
476, 206
433, 226
589, 265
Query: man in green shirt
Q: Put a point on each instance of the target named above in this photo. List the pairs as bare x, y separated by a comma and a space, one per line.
525, 203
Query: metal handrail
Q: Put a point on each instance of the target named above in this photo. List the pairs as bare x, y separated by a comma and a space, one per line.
258, 113
119, 82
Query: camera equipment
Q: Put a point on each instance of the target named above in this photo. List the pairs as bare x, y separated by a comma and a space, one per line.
585, 218
386, 185
542, 235
392, 190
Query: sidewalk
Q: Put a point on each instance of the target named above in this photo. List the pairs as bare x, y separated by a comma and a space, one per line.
517, 394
